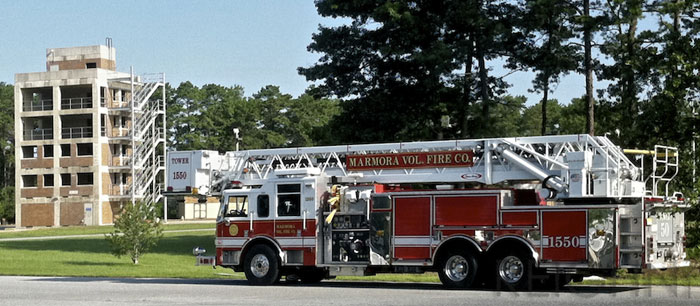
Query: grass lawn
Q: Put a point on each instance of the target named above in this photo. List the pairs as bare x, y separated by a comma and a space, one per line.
87, 230
172, 258
689, 276
91, 257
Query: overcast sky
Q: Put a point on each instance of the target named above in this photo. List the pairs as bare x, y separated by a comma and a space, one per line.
231, 42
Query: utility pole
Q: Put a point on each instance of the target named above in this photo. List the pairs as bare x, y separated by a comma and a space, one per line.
133, 141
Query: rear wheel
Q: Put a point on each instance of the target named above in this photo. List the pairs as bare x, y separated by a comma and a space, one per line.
513, 270
261, 266
457, 269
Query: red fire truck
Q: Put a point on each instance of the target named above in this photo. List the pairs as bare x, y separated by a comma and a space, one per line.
510, 212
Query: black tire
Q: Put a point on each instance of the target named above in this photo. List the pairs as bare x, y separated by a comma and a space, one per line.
514, 271
261, 266
313, 276
457, 269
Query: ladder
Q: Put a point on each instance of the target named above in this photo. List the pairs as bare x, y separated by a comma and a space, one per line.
558, 161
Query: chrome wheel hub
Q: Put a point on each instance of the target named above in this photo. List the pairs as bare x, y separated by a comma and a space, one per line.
511, 269
260, 265
456, 268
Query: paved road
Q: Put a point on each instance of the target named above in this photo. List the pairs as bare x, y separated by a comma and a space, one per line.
19, 290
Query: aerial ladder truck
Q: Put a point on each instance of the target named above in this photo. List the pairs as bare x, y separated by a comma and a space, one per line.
510, 212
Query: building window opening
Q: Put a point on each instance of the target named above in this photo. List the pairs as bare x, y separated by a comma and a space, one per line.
84, 149
48, 150
90, 65
29, 181
48, 180
65, 179
85, 178
65, 150
29, 152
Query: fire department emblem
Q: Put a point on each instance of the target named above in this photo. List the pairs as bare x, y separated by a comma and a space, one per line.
233, 230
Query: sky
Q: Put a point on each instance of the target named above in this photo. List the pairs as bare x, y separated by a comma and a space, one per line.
233, 42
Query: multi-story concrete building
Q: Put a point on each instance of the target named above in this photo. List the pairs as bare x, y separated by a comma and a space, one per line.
89, 139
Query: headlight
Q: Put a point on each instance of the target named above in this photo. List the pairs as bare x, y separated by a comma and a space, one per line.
198, 251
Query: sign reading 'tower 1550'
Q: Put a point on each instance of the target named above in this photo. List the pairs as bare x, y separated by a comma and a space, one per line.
411, 160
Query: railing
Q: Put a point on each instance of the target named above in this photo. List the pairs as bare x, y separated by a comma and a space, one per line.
76, 103
119, 104
117, 190
76, 132
38, 134
43, 105
119, 132
103, 102
103, 131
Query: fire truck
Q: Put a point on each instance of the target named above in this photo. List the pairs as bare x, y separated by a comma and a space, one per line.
511, 212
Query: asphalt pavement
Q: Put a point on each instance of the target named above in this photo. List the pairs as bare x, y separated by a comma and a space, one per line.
21, 290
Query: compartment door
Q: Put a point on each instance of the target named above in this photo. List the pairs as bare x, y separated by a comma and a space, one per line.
412, 227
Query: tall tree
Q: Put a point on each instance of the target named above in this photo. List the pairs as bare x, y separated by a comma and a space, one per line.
631, 66
7, 137
546, 46
395, 65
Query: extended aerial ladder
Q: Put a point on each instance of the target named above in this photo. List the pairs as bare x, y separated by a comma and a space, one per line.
569, 166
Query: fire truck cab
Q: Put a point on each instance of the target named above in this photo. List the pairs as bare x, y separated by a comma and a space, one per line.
302, 223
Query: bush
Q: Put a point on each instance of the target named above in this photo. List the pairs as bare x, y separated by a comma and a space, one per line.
136, 231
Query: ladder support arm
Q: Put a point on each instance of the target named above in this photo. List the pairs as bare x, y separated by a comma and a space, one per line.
549, 181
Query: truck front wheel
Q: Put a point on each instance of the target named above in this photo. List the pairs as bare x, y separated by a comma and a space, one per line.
457, 269
261, 266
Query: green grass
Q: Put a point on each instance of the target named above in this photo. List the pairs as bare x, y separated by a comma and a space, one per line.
87, 230
689, 276
172, 258
91, 257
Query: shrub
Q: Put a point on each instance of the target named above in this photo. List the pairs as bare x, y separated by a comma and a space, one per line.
136, 231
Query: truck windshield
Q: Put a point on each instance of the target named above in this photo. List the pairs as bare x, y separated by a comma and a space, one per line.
235, 206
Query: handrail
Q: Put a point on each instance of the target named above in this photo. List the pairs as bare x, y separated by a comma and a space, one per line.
43, 105
38, 134
76, 132
76, 103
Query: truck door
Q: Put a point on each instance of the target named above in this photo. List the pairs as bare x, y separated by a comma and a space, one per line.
294, 224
